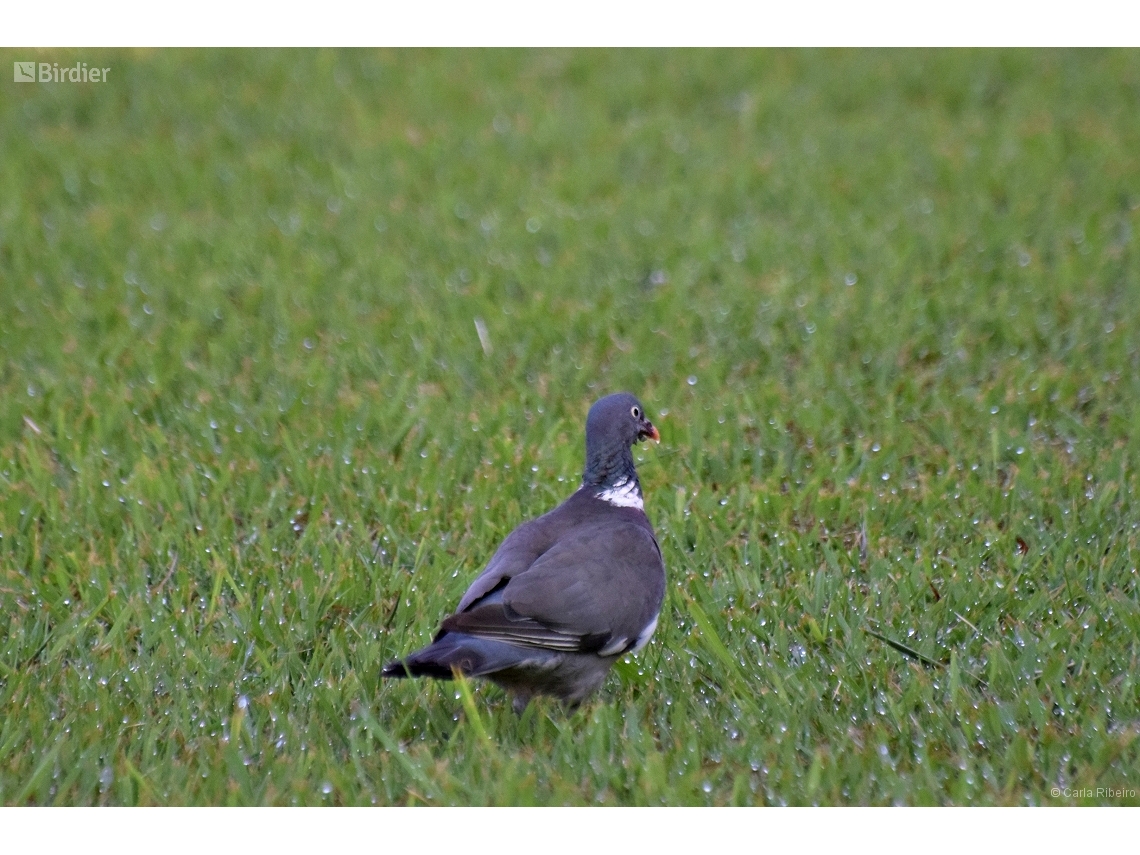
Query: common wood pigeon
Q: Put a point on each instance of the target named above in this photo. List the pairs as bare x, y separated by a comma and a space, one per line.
567, 593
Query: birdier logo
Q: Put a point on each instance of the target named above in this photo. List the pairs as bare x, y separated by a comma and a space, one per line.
50, 72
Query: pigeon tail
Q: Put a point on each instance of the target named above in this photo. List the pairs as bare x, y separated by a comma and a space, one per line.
471, 656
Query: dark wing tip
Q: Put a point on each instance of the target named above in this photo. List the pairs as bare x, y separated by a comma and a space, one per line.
593, 642
395, 669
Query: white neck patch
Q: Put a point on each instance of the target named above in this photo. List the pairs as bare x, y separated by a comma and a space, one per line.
624, 494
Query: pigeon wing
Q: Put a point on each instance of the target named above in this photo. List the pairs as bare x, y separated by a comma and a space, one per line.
514, 556
600, 584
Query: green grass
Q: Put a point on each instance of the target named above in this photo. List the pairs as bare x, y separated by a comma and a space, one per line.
884, 307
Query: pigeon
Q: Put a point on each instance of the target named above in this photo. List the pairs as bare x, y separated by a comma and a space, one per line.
565, 594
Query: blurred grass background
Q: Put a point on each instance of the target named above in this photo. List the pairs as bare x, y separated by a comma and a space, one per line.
883, 306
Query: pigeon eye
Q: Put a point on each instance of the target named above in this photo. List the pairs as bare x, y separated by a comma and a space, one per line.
635, 412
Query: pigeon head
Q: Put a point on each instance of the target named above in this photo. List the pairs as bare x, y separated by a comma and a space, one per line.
615, 423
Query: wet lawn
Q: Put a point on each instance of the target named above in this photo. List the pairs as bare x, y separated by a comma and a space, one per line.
289, 341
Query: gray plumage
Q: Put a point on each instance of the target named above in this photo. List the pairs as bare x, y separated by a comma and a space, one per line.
568, 593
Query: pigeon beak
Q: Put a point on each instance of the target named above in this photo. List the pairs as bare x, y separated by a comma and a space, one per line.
649, 431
